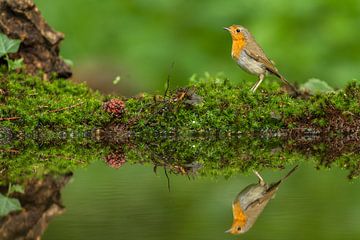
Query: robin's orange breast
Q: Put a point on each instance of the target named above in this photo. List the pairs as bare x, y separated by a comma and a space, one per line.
239, 215
238, 45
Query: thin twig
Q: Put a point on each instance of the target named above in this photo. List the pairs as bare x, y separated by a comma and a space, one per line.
9, 150
65, 108
167, 177
9, 118
168, 79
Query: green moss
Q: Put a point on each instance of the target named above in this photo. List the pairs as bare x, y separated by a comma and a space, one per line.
231, 108
51, 132
225, 156
35, 160
58, 105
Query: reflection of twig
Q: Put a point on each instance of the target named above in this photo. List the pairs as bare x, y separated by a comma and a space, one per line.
65, 108
168, 79
168, 179
9, 118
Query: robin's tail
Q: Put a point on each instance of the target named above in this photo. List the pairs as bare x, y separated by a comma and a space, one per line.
289, 173
293, 88
276, 184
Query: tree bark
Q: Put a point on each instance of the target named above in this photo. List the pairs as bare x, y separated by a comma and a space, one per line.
41, 201
21, 19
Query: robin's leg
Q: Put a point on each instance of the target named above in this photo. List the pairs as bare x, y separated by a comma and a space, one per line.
252, 88
261, 180
256, 85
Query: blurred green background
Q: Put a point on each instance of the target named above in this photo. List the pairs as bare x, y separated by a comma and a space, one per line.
139, 39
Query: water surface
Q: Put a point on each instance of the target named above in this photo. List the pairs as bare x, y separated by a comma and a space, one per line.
180, 188
134, 203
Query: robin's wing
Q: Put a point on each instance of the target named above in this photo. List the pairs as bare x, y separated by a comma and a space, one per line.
254, 51
250, 194
258, 54
263, 59
265, 198
253, 211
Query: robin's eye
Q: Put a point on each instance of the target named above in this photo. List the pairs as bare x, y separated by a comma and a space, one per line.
237, 30
238, 229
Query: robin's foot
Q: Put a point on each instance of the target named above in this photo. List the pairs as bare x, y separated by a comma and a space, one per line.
261, 180
252, 88
257, 84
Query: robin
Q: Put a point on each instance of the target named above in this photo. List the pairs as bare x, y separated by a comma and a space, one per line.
250, 57
251, 201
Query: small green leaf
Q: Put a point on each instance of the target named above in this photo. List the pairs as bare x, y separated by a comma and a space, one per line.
15, 188
68, 62
314, 85
8, 205
8, 45
193, 79
116, 80
15, 64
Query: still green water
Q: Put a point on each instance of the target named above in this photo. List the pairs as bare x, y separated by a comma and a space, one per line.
134, 203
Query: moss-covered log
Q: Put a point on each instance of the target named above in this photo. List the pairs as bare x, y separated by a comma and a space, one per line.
209, 105
212, 127
214, 105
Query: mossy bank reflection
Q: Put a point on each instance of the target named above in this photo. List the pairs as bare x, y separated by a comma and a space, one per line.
44, 169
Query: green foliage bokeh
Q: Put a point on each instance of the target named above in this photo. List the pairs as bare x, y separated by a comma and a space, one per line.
140, 39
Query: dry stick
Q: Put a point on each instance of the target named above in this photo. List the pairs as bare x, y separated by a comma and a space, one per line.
9, 118
51, 111
9, 150
65, 108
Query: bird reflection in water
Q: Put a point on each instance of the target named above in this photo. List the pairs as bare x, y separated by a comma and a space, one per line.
251, 201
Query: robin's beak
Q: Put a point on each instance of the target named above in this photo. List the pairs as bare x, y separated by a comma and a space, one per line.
226, 28
228, 231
